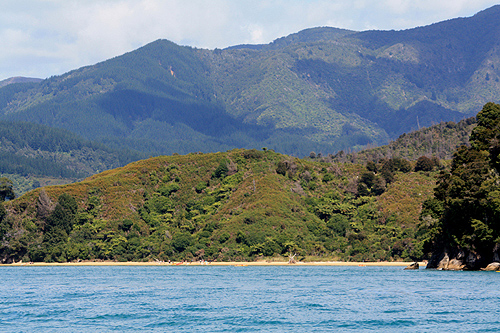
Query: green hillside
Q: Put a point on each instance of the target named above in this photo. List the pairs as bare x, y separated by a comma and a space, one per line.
322, 90
440, 141
238, 205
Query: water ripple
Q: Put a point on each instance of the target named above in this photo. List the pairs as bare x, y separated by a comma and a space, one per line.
266, 299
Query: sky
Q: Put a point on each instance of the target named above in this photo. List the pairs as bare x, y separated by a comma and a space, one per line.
42, 38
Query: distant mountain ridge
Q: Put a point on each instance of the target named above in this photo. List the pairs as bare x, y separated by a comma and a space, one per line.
32, 155
321, 89
19, 79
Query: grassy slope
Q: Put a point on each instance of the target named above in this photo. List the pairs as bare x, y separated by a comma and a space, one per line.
129, 213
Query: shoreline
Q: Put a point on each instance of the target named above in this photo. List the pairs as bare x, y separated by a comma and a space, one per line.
228, 263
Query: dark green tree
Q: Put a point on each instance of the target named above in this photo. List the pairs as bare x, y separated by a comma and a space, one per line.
60, 222
182, 241
281, 168
424, 164
3, 226
222, 170
371, 166
469, 194
6, 189
486, 135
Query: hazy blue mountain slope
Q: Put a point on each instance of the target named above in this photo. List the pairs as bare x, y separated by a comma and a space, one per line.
33, 155
321, 89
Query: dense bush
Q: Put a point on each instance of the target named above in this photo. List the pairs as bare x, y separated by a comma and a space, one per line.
171, 208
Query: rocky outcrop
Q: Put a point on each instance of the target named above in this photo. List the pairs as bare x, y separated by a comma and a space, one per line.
449, 264
494, 266
413, 266
455, 265
441, 264
456, 259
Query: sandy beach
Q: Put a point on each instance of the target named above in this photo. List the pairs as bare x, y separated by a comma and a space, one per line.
197, 263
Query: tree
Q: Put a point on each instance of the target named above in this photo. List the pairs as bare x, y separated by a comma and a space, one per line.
181, 241
281, 168
222, 169
487, 129
371, 166
3, 226
63, 216
367, 178
486, 135
379, 186
469, 194
424, 164
44, 205
6, 189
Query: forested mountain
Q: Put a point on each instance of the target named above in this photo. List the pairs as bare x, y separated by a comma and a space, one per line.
18, 79
32, 154
322, 90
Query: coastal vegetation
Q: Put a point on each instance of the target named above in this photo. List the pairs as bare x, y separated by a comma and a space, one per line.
242, 205
463, 216
238, 205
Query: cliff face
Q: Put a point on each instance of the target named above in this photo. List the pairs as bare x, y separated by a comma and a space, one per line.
460, 259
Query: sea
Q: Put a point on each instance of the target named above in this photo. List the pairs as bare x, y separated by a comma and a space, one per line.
246, 299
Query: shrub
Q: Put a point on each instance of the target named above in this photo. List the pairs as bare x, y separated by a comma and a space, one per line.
181, 241
126, 225
327, 177
253, 154
200, 187
281, 168
339, 224
224, 238
166, 190
371, 166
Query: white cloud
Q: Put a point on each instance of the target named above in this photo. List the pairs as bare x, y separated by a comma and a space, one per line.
48, 37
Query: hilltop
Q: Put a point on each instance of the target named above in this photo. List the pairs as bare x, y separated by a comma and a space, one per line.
36, 155
237, 205
19, 79
321, 89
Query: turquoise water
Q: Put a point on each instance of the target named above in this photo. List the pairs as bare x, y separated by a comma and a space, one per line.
246, 299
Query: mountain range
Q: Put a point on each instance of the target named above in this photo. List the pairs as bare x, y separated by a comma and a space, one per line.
322, 89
